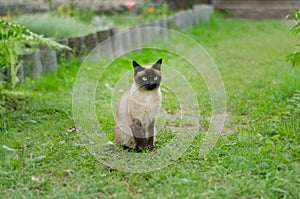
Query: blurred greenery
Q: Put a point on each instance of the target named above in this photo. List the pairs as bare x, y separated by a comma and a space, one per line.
65, 21
294, 57
56, 26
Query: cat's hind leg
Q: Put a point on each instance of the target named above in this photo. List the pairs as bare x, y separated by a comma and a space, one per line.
123, 139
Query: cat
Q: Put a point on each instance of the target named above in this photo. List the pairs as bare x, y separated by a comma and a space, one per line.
138, 109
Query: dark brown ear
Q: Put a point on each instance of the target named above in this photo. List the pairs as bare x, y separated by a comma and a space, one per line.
157, 65
136, 67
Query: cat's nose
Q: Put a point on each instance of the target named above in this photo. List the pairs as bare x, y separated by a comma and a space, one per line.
150, 86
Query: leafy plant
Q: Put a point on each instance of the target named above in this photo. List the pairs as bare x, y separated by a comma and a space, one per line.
65, 10
13, 38
294, 57
154, 12
50, 3
295, 100
85, 15
165, 9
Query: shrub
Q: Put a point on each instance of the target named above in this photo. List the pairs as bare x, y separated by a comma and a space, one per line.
13, 38
294, 57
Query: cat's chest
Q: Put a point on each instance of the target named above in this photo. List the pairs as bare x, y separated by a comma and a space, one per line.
147, 98
144, 106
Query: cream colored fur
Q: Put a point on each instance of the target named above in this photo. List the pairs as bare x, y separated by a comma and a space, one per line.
136, 105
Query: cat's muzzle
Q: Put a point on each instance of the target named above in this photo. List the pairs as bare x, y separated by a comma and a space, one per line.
150, 86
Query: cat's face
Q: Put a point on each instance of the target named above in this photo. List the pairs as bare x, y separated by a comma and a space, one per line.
148, 78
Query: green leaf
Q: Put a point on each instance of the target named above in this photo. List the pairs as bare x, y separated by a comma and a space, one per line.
294, 58
12, 36
295, 29
15, 32
296, 15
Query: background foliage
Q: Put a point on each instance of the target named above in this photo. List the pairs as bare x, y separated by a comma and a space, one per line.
294, 57
13, 38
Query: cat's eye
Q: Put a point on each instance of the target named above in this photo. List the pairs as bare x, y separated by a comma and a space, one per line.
155, 78
144, 78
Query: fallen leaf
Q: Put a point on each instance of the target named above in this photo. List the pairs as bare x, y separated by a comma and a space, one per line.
71, 130
62, 142
8, 148
68, 172
34, 178
39, 157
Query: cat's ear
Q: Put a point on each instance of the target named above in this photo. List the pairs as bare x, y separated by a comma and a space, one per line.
157, 65
136, 66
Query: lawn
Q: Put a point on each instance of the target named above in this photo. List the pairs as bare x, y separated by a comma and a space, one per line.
257, 156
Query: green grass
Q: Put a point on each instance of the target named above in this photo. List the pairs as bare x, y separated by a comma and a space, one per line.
258, 156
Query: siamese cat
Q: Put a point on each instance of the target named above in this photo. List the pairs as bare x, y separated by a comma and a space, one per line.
138, 109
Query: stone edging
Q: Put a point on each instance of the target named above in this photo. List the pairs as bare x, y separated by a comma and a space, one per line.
45, 60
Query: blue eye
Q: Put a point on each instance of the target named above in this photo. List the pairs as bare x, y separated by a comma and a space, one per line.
155, 78
144, 78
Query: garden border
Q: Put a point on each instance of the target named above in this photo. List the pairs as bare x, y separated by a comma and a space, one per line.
45, 59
